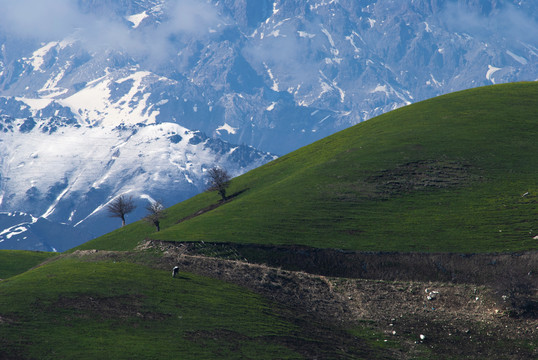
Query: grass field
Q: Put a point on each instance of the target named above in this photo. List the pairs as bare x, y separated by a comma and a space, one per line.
117, 307
447, 174
13, 262
120, 310
453, 174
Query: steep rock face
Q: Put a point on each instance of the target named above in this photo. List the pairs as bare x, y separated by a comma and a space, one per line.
351, 59
143, 96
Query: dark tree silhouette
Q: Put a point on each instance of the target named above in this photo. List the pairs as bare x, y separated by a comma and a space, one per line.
120, 207
219, 180
156, 212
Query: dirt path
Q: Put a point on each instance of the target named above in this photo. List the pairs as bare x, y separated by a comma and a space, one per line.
458, 319
448, 320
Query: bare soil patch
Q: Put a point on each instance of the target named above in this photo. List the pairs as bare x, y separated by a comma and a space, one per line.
460, 320
406, 178
513, 278
113, 307
421, 175
5, 320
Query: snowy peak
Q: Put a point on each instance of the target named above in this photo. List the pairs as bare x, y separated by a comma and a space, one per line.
110, 102
324, 55
67, 175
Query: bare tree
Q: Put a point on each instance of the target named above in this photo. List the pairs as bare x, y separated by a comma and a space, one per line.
120, 207
156, 212
219, 180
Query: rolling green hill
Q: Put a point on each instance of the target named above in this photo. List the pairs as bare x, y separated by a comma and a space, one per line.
13, 262
79, 308
457, 173
127, 306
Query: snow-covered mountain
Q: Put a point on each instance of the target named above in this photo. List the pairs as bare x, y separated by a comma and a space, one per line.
66, 173
104, 97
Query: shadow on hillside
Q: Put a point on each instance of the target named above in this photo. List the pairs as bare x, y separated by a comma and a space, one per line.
461, 320
513, 277
212, 206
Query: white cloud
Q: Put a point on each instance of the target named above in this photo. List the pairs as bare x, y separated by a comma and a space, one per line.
58, 19
44, 20
505, 18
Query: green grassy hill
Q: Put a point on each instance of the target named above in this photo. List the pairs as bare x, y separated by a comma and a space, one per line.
457, 173
120, 310
127, 306
13, 262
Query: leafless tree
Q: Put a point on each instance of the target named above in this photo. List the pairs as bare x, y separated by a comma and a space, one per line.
156, 212
120, 207
219, 180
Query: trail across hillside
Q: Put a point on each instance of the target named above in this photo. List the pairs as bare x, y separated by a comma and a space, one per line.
460, 319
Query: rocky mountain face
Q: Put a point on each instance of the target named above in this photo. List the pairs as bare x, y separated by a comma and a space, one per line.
104, 97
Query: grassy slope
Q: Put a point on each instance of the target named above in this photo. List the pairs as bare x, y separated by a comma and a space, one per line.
76, 309
13, 262
336, 192
113, 306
